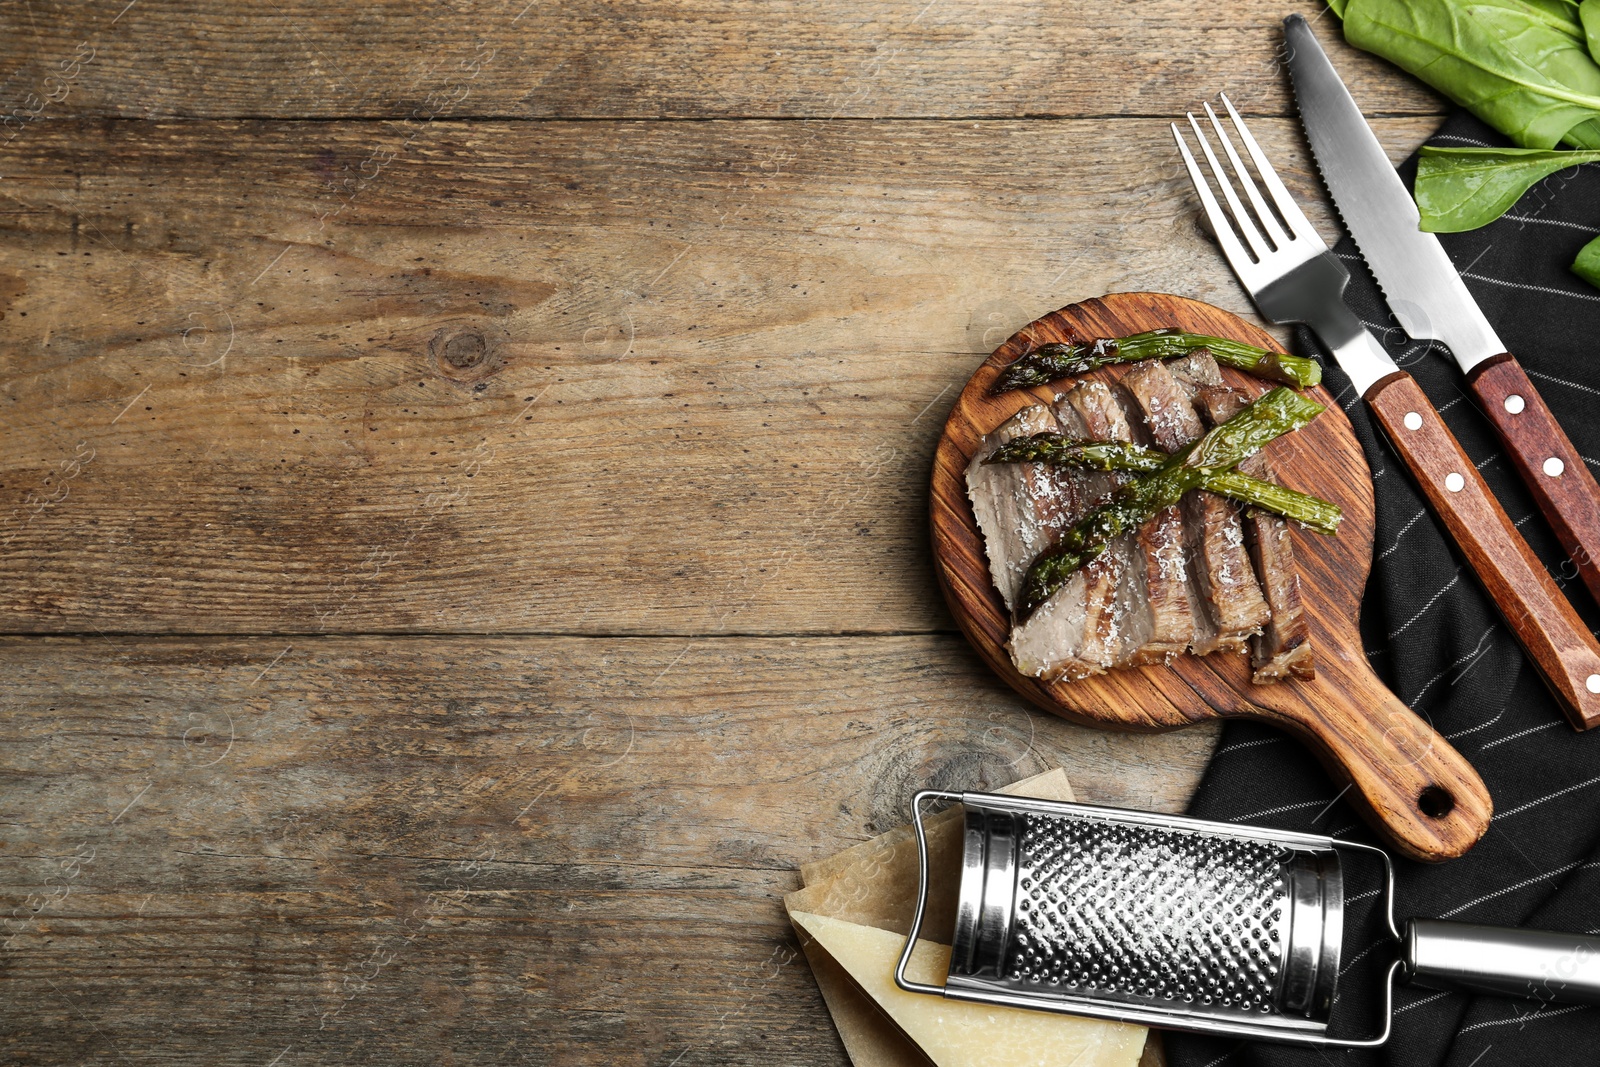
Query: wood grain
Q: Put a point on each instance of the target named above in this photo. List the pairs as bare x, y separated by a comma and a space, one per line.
1407, 780
1561, 647
707, 58
1569, 498
652, 319
396, 849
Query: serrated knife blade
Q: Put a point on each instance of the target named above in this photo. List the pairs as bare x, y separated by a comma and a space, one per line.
1422, 286
1431, 301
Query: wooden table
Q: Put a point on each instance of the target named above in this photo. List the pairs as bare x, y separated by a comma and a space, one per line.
464, 490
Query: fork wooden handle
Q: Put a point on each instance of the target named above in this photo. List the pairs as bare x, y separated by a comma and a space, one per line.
1561, 647
1554, 472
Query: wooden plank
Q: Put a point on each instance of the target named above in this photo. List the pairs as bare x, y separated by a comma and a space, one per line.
354, 849
555, 377
711, 58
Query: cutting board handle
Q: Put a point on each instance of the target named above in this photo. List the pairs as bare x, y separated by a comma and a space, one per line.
1402, 776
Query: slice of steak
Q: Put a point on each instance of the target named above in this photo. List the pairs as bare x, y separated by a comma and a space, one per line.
1061, 640
1118, 620
1227, 604
1047, 643
1175, 612
1283, 647
1222, 565
1022, 508
1196, 371
1019, 506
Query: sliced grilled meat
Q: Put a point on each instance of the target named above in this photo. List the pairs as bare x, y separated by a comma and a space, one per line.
1047, 643
1186, 580
1195, 371
1020, 507
1225, 601
1283, 647
1221, 563
1118, 614
1159, 547
1052, 643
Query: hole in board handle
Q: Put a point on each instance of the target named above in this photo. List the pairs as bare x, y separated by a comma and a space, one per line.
1435, 802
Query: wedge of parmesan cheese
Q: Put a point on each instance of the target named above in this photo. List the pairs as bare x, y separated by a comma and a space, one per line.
956, 1034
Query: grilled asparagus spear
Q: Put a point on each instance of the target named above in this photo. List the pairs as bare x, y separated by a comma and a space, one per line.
1273, 415
1320, 515
1050, 362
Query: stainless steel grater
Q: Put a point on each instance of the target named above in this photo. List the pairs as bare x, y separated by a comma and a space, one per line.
1189, 924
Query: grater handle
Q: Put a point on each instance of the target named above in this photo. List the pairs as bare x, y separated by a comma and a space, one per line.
1505, 961
900, 978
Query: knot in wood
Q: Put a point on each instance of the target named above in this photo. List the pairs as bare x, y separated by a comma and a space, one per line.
464, 352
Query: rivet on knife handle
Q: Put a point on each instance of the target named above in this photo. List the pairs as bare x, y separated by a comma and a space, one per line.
1553, 470
1562, 648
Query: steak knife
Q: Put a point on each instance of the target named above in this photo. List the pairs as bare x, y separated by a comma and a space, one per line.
1429, 298
1431, 302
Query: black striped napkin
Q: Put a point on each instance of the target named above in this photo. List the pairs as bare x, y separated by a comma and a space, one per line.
1434, 637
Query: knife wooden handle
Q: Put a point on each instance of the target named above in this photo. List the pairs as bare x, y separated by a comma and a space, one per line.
1561, 647
1551, 467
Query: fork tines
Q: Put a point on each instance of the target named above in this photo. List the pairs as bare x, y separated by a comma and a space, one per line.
1276, 242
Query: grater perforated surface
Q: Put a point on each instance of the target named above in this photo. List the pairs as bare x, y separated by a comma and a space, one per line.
1150, 914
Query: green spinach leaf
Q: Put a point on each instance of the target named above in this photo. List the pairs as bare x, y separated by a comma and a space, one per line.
1589, 17
1562, 9
1587, 265
1520, 65
1464, 188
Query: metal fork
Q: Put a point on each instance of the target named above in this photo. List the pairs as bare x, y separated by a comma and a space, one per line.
1291, 275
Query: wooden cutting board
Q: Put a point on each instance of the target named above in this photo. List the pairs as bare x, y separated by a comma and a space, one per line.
1406, 780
